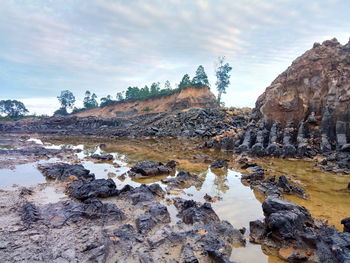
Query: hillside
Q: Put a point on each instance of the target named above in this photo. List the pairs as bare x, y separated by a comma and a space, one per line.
190, 97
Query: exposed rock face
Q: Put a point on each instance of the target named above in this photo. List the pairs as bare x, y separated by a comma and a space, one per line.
149, 168
306, 109
309, 103
297, 236
191, 97
192, 123
65, 171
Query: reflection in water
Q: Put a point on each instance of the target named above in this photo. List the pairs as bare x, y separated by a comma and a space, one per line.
23, 175
328, 198
237, 203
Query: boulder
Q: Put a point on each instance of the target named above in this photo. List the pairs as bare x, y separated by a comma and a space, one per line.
102, 157
220, 164
149, 168
65, 171
83, 190
297, 236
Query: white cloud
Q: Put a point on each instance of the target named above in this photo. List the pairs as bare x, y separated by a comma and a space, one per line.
105, 46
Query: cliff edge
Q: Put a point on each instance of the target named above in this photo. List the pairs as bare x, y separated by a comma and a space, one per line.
191, 97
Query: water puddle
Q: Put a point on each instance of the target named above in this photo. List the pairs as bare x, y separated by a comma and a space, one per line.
23, 175
236, 202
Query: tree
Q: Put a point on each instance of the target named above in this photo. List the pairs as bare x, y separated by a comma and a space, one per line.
223, 78
106, 101
155, 88
200, 78
120, 96
66, 99
90, 100
61, 111
167, 85
12, 108
185, 82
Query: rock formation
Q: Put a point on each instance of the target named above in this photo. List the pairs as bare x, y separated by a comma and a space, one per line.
306, 109
311, 99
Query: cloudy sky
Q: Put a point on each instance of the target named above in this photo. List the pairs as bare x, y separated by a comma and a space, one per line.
105, 46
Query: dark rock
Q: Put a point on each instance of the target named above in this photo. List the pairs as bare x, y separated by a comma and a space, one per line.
64, 171
257, 231
191, 213
345, 148
83, 190
288, 225
217, 256
102, 157
187, 255
346, 223
288, 188
182, 180
144, 223
145, 256
140, 194
156, 190
152, 168
90, 209
219, 164
30, 214
159, 212
126, 233
25, 191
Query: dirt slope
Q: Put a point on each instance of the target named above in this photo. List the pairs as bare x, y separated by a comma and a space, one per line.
188, 98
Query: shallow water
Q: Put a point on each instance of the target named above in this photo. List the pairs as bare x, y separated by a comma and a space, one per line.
328, 198
238, 204
23, 175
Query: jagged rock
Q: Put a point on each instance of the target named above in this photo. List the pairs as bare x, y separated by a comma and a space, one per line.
102, 157
29, 214
148, 168
65, 171
219, 164
187, 255
346, 223
159, 212
298, 237
144, 223
182, 180
143, 193
288, 188
190, 212
83, 190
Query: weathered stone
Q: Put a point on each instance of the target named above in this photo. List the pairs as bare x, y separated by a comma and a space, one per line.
65, 171
102, 157
219, 164
83, 190
152, 168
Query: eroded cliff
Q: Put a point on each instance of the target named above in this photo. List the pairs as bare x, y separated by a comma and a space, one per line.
312, 97
191, 97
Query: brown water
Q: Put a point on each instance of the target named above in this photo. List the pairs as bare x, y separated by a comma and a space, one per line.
328, 198
238, 204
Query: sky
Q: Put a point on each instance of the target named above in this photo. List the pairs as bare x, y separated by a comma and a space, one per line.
105, 46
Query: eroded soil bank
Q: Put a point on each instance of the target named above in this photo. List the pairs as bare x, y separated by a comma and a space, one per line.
45, 222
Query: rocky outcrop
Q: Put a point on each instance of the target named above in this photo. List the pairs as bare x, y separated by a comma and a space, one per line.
149, 168
308, 105
192, 123
65, 172
297, 236
305, 110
